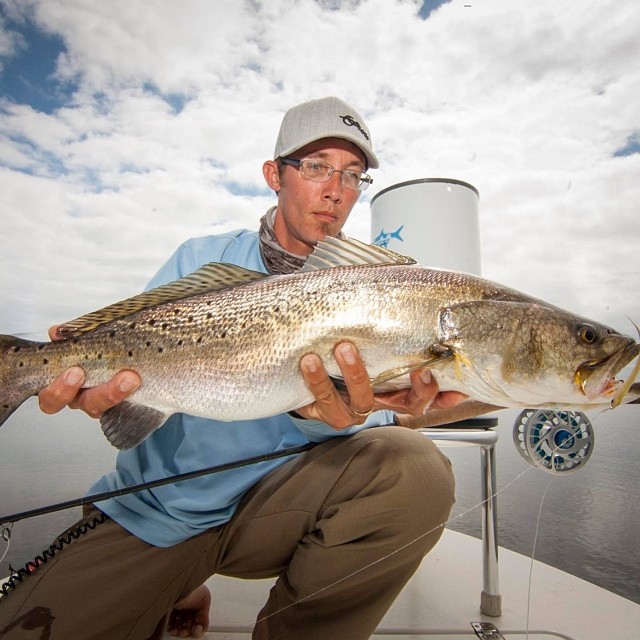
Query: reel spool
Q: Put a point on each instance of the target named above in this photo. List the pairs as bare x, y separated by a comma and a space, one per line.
554, 441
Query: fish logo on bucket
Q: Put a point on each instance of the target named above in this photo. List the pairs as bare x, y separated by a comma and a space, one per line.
383, 238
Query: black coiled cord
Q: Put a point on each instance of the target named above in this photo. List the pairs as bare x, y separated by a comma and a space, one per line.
65, 539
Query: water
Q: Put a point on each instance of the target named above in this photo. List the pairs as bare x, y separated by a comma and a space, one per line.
43, 460
590, 519
590, 522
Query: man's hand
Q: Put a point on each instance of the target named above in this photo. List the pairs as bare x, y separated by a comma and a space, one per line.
190, 617
66, 391
340, 411
422, 396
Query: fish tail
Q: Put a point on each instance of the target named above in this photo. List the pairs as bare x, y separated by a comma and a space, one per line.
14, 387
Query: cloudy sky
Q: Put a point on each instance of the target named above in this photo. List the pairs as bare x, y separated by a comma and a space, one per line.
127, 127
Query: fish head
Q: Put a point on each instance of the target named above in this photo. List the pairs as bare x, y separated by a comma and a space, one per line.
597, 378
524, 353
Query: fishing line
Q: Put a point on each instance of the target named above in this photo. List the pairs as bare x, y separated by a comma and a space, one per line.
404, 546
532, 466
533, 552
6, 536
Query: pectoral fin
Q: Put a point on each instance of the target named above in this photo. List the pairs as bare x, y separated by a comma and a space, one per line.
437, 357
128, 424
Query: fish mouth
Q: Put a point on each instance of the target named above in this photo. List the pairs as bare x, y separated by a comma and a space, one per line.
597, 378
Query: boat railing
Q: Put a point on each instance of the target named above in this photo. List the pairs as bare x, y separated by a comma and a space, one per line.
480, 432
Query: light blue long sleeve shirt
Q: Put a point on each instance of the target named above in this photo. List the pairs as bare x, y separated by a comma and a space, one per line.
166, 515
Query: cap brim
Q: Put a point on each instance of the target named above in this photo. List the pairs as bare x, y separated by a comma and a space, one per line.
372, 161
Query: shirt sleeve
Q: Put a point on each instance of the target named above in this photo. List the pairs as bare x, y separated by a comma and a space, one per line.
195, 252
317, 431
180, 264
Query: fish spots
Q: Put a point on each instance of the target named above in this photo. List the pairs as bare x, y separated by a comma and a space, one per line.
165, 326
151, 322
16, 349
130, 354
45, 361
160, 349
180, 343
112, 334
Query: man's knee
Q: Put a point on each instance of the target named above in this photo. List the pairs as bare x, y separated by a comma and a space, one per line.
414, 469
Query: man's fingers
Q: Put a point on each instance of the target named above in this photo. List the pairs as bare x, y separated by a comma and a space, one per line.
415, 400
423, 392
318, 381
356, 377
329, 405
62, 390
449, 399
423, 396
66, 390
53, 332
97, 400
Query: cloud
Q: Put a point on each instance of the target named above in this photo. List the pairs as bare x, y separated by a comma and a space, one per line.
10, 42
166, 111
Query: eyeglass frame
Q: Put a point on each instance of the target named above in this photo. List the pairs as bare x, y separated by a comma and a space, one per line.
365, 178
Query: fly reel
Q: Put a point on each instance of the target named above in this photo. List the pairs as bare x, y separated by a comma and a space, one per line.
554, 441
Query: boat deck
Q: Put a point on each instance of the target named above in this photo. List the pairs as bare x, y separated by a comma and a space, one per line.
443, 598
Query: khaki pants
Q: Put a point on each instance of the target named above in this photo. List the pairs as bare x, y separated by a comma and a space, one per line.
343, 526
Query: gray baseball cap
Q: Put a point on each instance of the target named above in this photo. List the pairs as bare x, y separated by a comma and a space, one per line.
323, 118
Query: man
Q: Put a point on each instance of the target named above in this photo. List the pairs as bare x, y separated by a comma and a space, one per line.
343, 526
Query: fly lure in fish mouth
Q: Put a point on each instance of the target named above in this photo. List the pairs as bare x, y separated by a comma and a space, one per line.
626, 386
607, 367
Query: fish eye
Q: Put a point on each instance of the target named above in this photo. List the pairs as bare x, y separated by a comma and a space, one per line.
588, 334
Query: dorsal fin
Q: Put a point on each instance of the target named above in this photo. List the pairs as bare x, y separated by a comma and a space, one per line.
328, 253
334, 252
210, 277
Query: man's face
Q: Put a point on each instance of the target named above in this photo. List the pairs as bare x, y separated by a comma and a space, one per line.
309, 211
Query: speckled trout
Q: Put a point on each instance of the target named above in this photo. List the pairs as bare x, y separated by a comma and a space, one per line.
225, 342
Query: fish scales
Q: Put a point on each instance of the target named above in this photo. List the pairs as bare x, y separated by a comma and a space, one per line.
236, 342
232, 352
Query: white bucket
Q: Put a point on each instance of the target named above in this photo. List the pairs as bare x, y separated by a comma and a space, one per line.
433, 220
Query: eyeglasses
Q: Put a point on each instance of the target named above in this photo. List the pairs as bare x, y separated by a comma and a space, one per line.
317, 171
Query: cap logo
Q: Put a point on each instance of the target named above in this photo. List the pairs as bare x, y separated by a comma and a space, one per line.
350, 122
